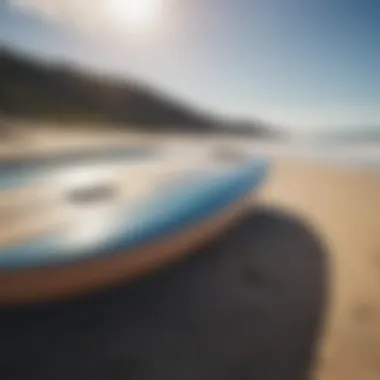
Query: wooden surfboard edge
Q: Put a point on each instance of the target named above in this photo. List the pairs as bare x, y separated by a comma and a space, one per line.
48, 284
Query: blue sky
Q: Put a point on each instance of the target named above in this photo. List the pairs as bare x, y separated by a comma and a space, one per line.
304, 64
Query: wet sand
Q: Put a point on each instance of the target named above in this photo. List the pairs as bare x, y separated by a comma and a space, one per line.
344, 206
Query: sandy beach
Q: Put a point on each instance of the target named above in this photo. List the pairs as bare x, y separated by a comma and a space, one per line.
343, 205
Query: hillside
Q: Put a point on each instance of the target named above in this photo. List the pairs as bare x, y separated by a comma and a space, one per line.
30, 89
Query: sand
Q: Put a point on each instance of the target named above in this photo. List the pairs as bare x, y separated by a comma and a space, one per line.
344, 207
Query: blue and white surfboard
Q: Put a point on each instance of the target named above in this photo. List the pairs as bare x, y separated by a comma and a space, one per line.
126, 211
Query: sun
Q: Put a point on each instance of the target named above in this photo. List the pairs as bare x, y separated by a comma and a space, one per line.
133, 15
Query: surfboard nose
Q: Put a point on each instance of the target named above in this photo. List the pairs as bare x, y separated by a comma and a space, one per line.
260, 168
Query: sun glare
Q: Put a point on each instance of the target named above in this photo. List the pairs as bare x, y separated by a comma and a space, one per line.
134, 15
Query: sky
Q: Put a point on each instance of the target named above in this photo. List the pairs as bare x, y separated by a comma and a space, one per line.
302, 64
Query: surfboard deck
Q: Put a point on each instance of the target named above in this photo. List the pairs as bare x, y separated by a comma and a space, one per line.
77, 226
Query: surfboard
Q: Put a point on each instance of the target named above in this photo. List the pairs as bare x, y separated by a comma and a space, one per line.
77, 224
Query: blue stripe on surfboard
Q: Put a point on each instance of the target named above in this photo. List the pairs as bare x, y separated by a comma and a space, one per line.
168, 213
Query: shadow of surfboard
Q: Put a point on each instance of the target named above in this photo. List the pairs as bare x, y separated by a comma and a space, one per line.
248, 306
